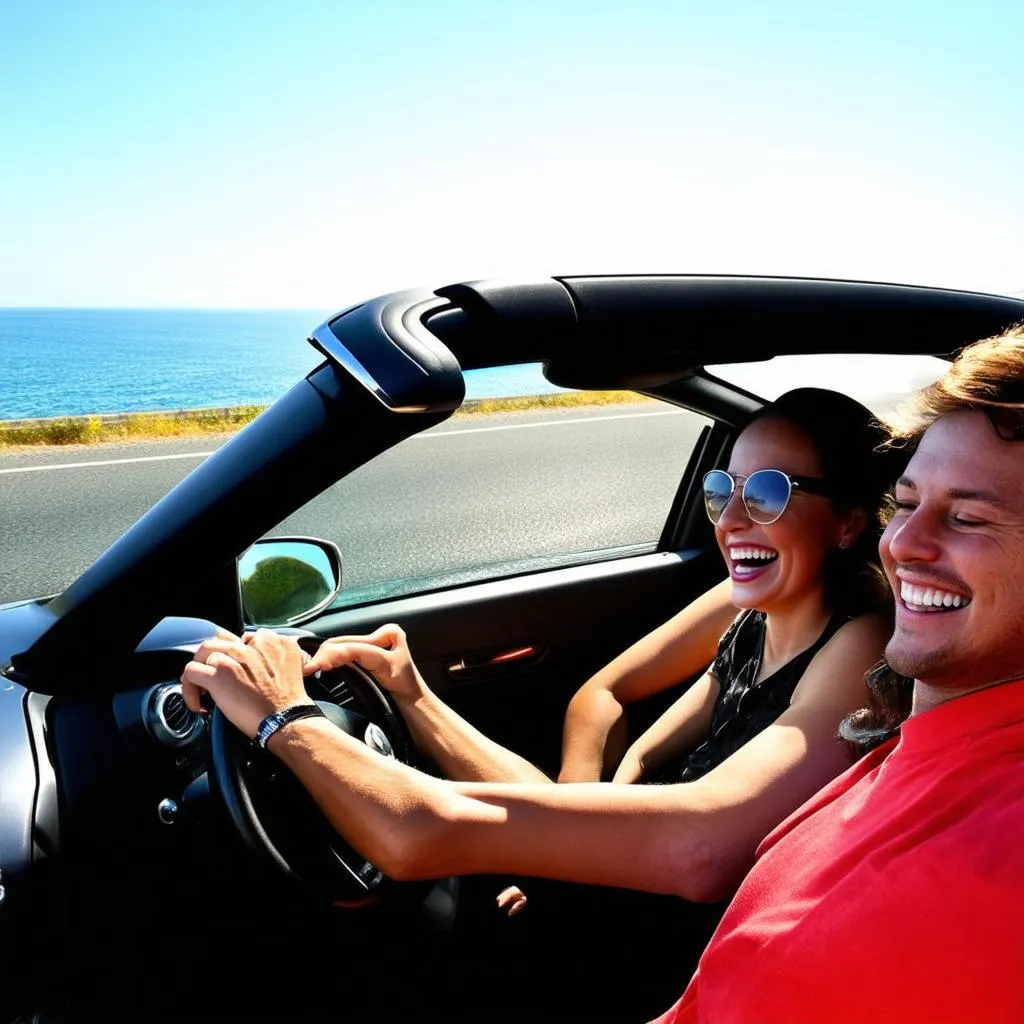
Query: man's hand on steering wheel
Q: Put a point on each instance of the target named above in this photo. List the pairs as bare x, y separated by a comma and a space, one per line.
247, 678
384, 654
261, 675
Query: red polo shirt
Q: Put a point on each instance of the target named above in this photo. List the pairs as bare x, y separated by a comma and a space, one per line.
896, 893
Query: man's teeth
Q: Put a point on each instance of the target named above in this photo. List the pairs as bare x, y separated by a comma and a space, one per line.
930, 597
738, 554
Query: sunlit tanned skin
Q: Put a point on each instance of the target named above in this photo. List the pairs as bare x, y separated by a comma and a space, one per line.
956, 537
594, 735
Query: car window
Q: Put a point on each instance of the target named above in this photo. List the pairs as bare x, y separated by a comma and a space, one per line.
526, 476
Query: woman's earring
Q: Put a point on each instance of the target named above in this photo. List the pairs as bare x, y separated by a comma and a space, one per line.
843, 545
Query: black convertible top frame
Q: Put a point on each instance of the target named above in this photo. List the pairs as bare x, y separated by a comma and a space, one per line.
652, 327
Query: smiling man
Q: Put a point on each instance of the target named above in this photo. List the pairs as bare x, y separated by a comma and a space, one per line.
897, 892
953, 554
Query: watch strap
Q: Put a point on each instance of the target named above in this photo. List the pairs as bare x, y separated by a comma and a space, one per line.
275, 721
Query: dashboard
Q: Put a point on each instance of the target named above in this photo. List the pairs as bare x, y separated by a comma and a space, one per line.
116, 839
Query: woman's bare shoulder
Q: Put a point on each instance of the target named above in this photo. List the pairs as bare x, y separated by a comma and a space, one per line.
872, 629
838, 669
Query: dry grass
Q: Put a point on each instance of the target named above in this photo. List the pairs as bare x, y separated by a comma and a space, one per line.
146, 426
557, 401
131, 427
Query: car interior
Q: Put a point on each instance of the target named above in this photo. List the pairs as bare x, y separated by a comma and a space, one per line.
151, 857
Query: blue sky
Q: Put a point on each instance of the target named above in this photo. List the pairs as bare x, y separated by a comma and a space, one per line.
309, 154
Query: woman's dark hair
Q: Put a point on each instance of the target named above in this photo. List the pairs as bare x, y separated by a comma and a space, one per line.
852, 450
889, 698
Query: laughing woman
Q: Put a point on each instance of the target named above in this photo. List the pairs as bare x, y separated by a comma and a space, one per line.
803, 619
796, 519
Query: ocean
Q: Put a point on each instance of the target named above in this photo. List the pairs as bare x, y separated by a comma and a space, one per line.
72, 362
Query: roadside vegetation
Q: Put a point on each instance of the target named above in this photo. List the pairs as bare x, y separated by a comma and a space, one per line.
129, 427
148, 426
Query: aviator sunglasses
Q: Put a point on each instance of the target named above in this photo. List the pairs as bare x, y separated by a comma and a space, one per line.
765, 493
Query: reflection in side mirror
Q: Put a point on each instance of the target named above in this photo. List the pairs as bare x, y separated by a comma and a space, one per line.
285, 580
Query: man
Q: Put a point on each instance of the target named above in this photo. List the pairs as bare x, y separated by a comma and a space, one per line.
896, 890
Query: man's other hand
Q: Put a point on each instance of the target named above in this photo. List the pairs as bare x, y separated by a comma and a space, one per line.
248, 678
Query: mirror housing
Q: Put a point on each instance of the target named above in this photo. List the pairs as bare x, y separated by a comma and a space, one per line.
286, 580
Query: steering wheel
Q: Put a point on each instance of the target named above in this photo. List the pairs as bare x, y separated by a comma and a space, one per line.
272, 812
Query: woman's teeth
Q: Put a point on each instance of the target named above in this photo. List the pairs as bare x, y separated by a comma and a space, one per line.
750, 560
745, 554
930, 597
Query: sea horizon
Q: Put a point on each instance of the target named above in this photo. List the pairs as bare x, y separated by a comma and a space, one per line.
66, 361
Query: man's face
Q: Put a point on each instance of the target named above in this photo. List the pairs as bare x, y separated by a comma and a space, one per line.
954, 555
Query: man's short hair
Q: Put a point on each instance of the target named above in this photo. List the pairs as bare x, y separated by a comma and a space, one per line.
987, 375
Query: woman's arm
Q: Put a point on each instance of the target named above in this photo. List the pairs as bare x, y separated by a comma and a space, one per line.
460, 750
695, 840
594, 735
682, 727
675, 650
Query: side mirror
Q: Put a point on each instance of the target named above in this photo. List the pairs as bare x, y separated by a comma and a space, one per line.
285, 580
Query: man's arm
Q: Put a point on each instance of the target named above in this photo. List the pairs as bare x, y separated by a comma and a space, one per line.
594, 735
414, 826
692, 839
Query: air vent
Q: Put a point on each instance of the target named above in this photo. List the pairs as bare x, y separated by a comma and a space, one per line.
177, 715
168, 718
337, 689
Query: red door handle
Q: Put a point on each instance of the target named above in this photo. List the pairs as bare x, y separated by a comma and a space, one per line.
470, 664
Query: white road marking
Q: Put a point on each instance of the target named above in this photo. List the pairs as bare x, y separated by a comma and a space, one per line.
415, 437
105, 462
548, 423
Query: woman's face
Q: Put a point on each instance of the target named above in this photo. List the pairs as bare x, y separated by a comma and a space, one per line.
779, 566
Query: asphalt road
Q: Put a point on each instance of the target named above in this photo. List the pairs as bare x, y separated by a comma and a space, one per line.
472, 492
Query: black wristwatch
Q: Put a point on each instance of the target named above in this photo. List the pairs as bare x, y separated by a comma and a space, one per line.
273, 722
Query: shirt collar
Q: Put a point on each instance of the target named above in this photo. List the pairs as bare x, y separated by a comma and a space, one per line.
965, 718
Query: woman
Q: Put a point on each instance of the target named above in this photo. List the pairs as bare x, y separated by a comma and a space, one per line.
798, 581
797, 543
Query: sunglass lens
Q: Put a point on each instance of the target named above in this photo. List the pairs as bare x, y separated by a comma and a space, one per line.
766, 495
717, 492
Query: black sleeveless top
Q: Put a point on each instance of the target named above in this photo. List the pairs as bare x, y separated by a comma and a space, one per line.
744, 707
